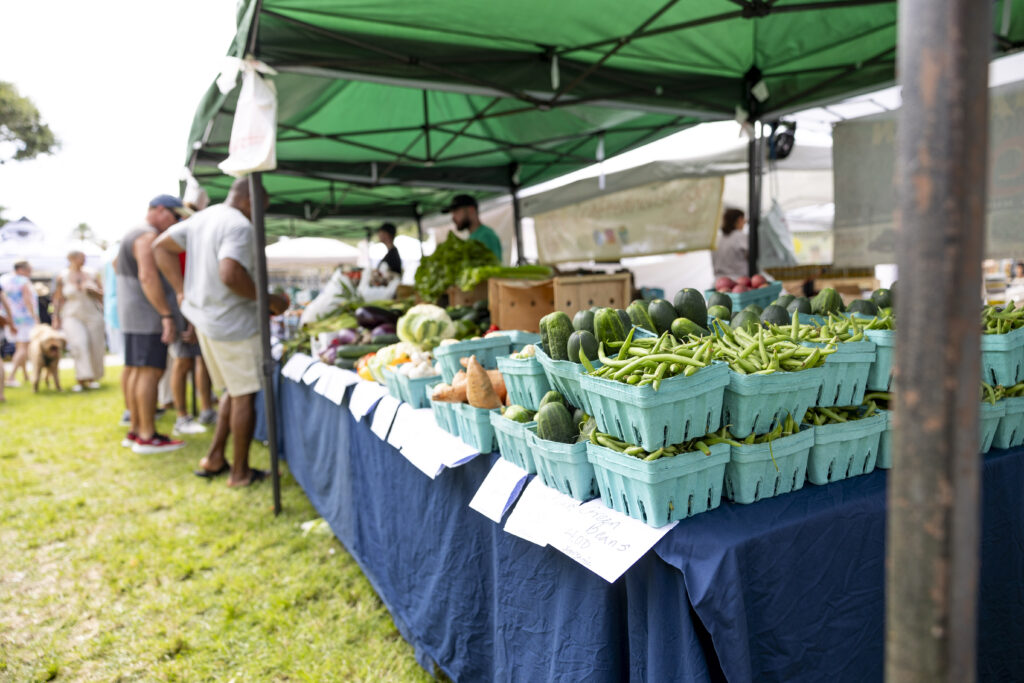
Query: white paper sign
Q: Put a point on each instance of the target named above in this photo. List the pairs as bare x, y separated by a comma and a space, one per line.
532, 515
499, 490
423, 457
603, 540
314, 372
411, 424
295, 366
384, 415
323, 384
364, 397
340, 380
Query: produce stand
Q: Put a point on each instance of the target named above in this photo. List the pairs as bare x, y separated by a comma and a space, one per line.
790, 588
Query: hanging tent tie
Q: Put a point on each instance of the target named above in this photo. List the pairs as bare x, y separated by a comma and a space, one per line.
254, 128
600, 160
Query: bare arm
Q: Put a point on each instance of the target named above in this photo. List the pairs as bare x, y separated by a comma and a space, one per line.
58, 301
236, 278
149, 278
28, 297
9, 316
166, 251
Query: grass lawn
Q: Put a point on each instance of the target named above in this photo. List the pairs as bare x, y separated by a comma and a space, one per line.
116, 566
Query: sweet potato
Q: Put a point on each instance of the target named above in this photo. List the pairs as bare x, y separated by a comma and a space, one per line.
479, 390
498, 382
449, 393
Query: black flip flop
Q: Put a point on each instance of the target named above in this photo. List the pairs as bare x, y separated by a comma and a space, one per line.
255, 475
210, 474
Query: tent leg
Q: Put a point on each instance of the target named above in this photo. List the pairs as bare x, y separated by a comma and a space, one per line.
754, 200
517, 217
263, 308
933, 525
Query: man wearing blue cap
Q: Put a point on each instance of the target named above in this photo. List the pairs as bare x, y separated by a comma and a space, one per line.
147, 309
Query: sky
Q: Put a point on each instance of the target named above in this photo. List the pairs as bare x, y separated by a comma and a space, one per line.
118, 82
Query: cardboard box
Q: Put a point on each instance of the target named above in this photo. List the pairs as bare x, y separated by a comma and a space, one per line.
520, 304
456, 297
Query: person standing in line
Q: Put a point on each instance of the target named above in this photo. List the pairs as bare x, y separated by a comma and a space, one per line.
21, 297
466, 217
390, 266
78, 311
187, 357
218, 295
6, 320
146, 309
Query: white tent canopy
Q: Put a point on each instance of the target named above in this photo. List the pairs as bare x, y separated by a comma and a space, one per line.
23, 240
310, 252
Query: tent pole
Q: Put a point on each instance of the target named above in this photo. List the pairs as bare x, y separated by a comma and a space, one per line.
933, 526
419, 228
754, 199
517, 213
256, 198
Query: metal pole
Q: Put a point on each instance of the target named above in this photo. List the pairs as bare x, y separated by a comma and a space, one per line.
517, 217
263, 308
753, 200
419, 230
934, 486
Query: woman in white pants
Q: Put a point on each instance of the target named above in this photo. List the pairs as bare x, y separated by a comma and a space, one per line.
78, 311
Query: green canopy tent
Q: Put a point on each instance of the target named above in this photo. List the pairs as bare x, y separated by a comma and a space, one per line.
386, 109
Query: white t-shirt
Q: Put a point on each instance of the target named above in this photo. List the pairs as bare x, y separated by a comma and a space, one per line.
213, 234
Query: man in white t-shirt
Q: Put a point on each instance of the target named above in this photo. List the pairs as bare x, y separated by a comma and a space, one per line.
218, 295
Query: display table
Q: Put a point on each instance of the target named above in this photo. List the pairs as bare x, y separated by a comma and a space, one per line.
786, 589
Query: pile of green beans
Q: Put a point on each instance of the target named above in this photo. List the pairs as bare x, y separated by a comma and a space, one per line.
702, 444
787, 427
1000, 321
823, 416
764, 352
648, 360
838, 329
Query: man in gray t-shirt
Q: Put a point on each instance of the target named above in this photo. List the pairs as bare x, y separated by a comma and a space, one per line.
218, 296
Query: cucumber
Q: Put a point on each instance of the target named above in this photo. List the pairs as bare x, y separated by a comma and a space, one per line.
358, 350
345, 363
518, 414
720, 299
624, 318
608, 326
638, 316
558, 328
776, 315
581, 339
662, 313
584, 320
689, 303
684, 327
720, 312
551, 397
554, 423
386, 339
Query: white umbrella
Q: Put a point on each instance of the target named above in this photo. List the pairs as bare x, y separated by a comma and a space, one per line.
310, 252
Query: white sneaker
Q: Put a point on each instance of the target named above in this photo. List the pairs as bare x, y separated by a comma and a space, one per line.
188, 425
208, 417
92, 385
77, 388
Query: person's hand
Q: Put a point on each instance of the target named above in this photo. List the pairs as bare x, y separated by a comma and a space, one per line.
181, 298
189, 335
278, 304
55, 323
170, 331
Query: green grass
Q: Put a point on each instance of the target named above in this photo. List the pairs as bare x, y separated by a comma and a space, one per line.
120, 567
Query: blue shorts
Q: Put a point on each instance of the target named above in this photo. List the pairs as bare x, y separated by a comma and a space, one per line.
144, 351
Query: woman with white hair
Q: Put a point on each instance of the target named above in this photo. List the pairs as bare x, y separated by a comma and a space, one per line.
78, 311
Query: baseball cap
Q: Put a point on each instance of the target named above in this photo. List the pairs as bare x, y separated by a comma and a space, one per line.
170, 202
459, 201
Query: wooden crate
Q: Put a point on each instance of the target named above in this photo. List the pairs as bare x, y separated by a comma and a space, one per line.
456, 297
520, 304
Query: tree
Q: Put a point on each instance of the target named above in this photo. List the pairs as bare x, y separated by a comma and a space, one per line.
23, 135
84, 233
3, 221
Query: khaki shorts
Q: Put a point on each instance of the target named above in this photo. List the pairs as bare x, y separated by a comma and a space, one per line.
233, 365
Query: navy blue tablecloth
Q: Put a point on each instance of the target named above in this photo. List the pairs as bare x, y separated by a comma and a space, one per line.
785, 589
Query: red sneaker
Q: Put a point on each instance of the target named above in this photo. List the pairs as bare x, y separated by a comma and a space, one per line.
129, 440
158, 443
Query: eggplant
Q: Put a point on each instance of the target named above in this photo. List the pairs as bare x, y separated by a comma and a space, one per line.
371, 316
346, 337
386, 328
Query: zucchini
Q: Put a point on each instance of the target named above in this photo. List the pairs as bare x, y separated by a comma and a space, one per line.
358, 350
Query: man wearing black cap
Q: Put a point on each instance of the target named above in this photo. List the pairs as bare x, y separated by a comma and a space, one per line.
146, 307
465, 216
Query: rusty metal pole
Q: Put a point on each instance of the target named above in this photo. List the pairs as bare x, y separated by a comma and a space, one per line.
755, 155
934, 486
